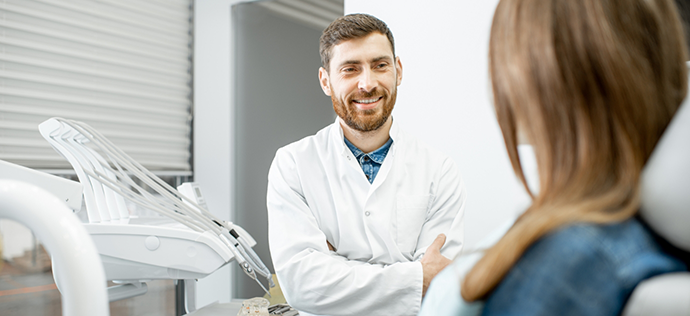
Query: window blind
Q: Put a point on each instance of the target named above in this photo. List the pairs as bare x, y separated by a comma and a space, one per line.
121, 66
317, 14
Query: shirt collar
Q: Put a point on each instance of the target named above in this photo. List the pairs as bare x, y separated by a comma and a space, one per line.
376, 156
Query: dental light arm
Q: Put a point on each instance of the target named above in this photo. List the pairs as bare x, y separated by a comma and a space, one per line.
111, 179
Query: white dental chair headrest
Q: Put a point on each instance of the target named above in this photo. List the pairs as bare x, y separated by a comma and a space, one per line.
665, 183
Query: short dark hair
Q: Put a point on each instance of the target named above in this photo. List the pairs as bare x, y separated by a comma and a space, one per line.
349, 27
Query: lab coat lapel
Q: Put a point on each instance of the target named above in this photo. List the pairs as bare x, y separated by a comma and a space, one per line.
352, 183
346, 157
382, 226
389, 160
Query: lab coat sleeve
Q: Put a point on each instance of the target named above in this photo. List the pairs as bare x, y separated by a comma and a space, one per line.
318, 281
446, 212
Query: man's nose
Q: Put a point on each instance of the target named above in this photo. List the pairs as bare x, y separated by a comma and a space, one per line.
367, 81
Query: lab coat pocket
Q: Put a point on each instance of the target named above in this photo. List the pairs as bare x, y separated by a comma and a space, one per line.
411, 213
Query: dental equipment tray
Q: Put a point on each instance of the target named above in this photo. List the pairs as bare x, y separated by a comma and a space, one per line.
159, 248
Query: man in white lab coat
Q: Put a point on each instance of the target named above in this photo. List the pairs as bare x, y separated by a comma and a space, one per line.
358, 213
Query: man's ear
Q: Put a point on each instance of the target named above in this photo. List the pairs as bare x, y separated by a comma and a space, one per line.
324, 81
399, 70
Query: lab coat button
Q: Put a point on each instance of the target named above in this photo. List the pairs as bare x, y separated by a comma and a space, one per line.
367, 213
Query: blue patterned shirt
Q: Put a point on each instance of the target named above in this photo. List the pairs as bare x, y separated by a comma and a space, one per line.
370, 162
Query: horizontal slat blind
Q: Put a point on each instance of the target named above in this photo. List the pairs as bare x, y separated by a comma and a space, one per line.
121, 66
317, 14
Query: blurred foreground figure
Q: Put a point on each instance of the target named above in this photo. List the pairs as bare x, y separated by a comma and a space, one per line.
592, 85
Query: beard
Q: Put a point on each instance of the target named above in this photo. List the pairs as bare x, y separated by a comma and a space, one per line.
365, 120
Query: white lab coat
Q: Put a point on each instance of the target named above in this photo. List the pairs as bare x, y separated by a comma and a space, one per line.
317, 192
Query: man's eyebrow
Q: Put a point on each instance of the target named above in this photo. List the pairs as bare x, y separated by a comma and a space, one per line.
358, 62
380, 58
350, 62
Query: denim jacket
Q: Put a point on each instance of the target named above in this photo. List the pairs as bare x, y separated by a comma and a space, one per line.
581, 269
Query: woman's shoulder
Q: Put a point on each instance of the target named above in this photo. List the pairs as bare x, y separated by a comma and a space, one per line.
615, 243
627, 250
582, 268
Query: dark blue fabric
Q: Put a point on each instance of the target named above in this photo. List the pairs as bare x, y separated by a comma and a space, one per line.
371, 162
583, 269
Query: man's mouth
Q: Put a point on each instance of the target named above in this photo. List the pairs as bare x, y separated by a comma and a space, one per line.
367, 101
366, 104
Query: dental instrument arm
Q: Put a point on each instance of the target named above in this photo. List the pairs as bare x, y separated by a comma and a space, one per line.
117, 173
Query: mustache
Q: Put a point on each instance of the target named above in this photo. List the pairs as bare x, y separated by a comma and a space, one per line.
367, 95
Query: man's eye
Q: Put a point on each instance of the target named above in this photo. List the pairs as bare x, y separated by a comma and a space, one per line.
381, 65
348, 69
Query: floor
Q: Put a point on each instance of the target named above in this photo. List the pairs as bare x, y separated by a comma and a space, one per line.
24, 292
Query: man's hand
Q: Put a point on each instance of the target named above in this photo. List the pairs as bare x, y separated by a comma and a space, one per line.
433, 262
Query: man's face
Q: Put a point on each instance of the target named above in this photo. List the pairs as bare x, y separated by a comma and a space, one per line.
362, 81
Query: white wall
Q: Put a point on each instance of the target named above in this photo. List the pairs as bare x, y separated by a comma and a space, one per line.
445, 98
212, 125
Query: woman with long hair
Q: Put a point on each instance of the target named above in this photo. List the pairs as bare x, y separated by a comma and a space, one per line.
591, 84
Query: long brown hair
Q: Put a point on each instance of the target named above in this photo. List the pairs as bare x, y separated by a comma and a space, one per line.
592, 84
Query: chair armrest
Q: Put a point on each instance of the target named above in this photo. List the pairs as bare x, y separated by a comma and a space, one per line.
667, 294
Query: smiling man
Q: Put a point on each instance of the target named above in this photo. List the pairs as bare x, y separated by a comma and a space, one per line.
361, 215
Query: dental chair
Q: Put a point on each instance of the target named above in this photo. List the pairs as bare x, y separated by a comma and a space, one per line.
665, 208
40, 202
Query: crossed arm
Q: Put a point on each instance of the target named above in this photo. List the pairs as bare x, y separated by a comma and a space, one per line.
317, 280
